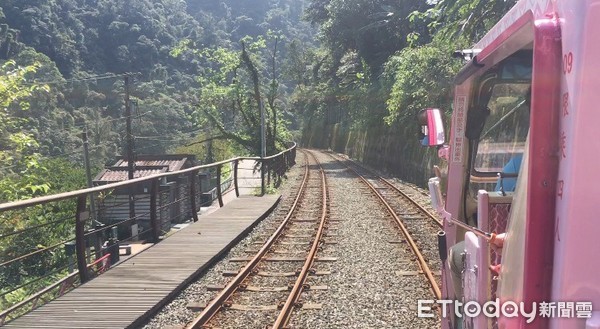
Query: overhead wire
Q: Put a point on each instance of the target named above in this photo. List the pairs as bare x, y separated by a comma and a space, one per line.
79, 150
137, 116
49, 157
91, 78
156, 138
168, 138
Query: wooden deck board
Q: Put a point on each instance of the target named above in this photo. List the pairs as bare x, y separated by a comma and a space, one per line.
124, 295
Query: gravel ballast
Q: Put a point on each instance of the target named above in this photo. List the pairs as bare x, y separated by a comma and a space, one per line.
364, 289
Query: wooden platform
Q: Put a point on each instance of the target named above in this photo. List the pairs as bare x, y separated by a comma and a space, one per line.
123, 296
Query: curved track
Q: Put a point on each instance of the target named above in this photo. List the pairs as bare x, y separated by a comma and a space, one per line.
294, 221
409, 216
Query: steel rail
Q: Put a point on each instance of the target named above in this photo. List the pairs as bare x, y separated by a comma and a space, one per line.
395, 188
294, 296
219, 300
429, 214
422, 263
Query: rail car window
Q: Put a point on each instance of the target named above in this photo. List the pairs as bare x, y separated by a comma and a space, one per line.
505, 130
501, 113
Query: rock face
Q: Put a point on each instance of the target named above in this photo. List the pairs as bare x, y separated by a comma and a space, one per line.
392, 149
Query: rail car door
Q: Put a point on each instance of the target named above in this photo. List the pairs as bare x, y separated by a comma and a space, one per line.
511, 114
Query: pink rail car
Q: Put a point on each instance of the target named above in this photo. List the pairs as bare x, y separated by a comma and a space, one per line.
523, 160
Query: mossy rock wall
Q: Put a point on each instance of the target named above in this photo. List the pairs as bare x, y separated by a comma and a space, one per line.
391, 149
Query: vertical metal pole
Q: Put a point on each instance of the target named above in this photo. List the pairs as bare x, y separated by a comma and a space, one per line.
153, 211
193, 177
235, 177
88, 172
80, 218
263, 147
200, 191
262, 177
219, 194
130, 160
269, 162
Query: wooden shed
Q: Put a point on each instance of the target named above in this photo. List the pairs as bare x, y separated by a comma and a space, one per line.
173, 199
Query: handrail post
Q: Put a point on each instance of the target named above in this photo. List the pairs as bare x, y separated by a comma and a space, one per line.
282, 166
200, 191
219, 194
294, 155
193, 177
269, 169
262, 176
153, 211
235, 177
80, 218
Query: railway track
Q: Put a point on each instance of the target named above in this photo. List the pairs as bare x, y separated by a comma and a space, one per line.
373, 282
418, 226
305, 225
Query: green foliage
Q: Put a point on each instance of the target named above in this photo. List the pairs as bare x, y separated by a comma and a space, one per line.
269, 189
209, 150
421, 78
375, 29
18, 151
45, 265
232, 91
465, 20
383, 60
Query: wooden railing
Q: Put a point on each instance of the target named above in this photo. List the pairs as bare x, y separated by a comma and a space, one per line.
161, 198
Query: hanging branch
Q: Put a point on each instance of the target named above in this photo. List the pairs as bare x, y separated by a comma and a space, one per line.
249, 144
273, 95
207, 140
248, 120
254, 75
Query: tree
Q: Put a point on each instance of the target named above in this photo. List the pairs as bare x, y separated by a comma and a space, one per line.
375, 29
233, 89
434, 67
466, 20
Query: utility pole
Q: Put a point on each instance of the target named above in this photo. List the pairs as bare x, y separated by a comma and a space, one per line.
263, 146
130, 160
88, 171
99, 236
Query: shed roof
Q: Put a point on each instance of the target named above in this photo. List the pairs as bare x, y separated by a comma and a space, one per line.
173, 161
145, 165
117, 174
